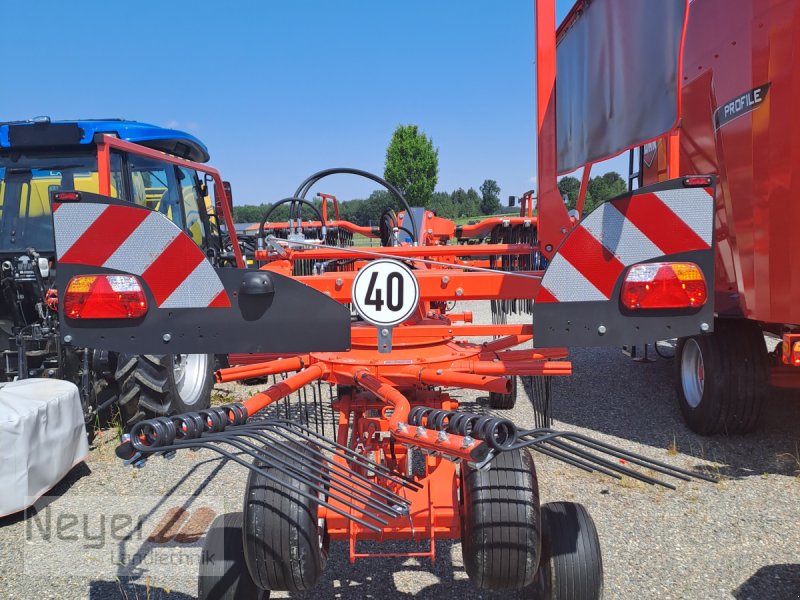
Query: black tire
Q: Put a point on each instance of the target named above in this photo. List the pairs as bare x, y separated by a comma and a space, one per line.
286, 549
571, 566
148, 385
500, 522
499, 401
223, 573
734, 371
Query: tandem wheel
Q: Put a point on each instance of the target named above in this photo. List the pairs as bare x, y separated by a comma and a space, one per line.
571, 564
223, 572
285, 545
500, 522
500, 401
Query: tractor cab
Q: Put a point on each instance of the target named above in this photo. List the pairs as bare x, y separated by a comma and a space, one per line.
143, 164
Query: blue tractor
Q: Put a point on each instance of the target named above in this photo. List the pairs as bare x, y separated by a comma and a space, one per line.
144, 164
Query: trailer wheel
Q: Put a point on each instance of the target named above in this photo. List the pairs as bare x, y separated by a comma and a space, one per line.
499, 401
571, 566
500, 522
722, 379
223, 573
163, 384
286, 547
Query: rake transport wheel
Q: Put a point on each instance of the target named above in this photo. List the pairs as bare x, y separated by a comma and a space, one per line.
504, 401
153, 385
500, 522
223, 572
722, 378
286, 546
571, 566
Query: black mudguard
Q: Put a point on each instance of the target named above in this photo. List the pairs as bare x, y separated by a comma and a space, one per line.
578, 303
192, 306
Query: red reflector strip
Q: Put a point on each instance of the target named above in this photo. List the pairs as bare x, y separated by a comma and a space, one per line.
592, 260
172, 267
104, 235
659, 223
104, 297
664, 285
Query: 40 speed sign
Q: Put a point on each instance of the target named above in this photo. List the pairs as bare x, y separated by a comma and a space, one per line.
385, 293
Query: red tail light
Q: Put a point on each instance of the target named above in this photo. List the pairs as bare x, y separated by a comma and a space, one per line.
104, 297
697, 181
664, 285
791, 349
67, 196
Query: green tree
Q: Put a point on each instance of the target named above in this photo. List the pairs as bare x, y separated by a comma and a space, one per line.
466, 203
604, 187
570, 186
490, 197
412, 164
442, 204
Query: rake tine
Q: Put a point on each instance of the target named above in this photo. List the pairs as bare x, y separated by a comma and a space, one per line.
351, 455
550, 438
334, 483
609, 464
640, 460
361, 482
307, 479
643, 461
342, 471
273, 479
574, 461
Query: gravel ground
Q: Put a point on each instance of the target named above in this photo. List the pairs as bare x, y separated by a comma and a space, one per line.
739, 538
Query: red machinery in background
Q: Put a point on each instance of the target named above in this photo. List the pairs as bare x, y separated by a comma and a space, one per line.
739, 122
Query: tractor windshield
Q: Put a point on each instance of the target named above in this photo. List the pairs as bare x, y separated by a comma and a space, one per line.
26, 181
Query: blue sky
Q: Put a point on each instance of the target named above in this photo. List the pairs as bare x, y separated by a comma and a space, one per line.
279, 90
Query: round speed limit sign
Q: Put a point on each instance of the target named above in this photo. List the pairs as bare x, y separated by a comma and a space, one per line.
385, 292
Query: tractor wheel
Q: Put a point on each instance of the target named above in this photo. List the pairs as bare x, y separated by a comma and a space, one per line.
163, 384
571, 566
504, 401
500, 522
722, 379
223, 573
286, 546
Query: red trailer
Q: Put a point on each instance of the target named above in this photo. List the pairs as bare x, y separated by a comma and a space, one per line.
740, 122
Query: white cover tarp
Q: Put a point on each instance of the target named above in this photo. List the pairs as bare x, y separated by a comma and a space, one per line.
617, 80
42, 436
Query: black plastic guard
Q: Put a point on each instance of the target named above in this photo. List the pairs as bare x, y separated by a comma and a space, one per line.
192, 306
578, 303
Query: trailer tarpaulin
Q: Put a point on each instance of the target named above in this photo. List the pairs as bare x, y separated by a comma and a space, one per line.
618, 78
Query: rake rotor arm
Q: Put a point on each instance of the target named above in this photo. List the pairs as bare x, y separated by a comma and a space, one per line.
284, 388
453, 445
274, 367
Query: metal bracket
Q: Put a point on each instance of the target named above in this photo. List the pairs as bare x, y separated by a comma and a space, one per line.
385, 340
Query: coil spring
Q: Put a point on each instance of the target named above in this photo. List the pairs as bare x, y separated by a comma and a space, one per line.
164, 431
500, 434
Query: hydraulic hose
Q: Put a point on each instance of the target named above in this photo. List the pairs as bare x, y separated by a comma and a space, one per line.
294, 201
304, 188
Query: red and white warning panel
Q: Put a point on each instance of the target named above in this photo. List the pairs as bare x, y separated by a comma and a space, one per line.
142, 242
131, 281
597, 290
